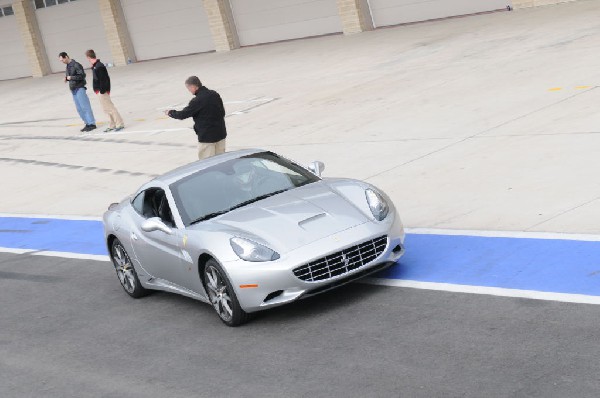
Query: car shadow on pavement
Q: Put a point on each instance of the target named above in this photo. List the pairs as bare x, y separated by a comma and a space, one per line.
340, 299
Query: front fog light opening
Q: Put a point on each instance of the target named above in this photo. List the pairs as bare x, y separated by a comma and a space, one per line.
272, 295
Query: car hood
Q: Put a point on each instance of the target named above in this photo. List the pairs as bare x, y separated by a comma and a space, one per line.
296, 217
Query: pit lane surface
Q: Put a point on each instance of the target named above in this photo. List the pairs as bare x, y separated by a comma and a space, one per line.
69, 330
545, 266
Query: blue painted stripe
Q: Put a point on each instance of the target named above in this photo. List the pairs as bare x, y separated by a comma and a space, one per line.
74, 236
549, 265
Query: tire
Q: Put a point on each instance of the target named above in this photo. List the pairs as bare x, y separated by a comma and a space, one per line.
222, 296
125, 271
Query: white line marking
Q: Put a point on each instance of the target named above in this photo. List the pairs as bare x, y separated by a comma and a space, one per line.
182, 104
14, 251
124, 132
505, 234
250, 100
57, 216
491, 291
169, 107
96, 257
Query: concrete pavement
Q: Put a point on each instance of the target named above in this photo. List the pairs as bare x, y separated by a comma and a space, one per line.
486, 122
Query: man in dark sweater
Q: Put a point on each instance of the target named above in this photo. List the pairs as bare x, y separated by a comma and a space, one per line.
75, 75
101, 84
208, 112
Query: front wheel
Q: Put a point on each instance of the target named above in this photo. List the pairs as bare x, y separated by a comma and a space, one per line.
125, 271
222, 296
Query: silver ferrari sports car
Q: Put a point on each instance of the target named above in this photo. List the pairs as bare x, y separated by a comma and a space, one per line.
250, 230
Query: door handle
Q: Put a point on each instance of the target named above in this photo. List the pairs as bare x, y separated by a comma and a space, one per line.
133, 236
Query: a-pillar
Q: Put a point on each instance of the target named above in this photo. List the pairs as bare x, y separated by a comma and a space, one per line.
32, 38
355, 16
117, 33
222, 26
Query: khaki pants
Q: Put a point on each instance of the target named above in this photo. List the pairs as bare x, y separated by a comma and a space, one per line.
111, 111
208, 149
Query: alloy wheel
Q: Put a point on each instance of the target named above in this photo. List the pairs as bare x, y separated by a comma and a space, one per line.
124, 268
218, 293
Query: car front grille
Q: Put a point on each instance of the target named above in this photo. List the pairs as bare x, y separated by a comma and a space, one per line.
342, 262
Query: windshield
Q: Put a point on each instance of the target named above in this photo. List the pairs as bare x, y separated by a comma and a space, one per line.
234, 184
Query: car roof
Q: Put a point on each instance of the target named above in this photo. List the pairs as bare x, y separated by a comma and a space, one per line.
176, 174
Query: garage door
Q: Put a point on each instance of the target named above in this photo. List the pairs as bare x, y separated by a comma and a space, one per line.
73, 27
13, 62
160, 28
394, 12
263, 21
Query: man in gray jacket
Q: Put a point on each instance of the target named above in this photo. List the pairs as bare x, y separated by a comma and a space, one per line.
75, 75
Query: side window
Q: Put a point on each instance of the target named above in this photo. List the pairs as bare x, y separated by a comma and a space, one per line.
164, 210
155, 204
138, 203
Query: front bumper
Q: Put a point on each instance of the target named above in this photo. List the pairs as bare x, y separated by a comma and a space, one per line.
259, 286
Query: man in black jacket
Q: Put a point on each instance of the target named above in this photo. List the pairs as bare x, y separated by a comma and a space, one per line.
75, 75
209, 118
101, 84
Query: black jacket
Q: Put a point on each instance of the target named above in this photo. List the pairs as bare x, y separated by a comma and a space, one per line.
75, 70
101, 82
209, 115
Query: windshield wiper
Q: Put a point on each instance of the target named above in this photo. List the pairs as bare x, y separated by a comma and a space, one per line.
209, 216
261, 197
247, 202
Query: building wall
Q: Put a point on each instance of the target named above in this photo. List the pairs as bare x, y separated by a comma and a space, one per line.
263, 21
14, 61
74, 28
160, 28
394, 12
150, 29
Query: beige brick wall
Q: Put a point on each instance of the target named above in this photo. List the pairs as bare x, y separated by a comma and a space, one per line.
222, 26
32, 38
117, 33
355, 16
535, 3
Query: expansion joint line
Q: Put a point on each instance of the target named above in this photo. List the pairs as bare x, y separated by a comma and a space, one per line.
483, 132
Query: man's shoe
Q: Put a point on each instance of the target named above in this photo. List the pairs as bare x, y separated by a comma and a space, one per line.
84, 128
119, 128
109, 129
89, 127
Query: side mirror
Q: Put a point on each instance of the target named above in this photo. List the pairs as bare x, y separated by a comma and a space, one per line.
317, 167
156, 224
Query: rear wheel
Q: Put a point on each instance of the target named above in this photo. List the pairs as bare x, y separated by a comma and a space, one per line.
222, 296
125, 271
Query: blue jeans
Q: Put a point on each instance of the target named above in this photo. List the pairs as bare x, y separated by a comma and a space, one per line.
82, 103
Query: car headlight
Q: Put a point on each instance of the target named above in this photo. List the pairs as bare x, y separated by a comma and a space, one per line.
377, 204
251, 251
